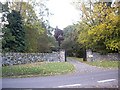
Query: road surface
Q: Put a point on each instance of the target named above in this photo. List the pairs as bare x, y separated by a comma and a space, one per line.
85, 76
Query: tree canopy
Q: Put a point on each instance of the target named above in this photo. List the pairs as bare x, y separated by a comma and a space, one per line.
23, 30
14, 33
99, 27
70, 44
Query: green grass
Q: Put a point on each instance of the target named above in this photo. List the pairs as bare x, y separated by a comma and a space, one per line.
37, 69
78, 59
105, 63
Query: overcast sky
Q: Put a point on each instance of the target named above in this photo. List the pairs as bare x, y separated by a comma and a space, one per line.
64, 13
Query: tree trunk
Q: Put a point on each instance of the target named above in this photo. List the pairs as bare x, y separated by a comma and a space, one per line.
84, 55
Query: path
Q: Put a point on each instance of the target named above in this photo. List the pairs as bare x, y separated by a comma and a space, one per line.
84, 76
85, 68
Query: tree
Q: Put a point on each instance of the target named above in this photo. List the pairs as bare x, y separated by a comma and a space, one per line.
70, 44
101, 31
14, 33
35, 28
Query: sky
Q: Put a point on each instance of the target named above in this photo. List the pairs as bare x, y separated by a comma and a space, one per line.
64, 13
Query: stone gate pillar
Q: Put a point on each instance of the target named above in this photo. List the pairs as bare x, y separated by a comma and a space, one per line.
89, 55
62, 55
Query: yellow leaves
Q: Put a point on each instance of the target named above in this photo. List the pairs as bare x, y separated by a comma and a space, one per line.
113, 44
84, 9
104, 29
113, 18
92, 32
82, 38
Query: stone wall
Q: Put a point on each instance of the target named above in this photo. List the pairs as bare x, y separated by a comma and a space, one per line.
93, 56
23, 58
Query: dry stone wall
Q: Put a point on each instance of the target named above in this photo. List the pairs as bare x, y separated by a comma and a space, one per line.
93, 56
23, 58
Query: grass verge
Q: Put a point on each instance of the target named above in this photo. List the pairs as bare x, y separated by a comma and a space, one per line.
37, 69
105, 64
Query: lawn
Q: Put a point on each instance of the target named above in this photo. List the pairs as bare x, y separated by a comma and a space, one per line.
105, 64
37, 69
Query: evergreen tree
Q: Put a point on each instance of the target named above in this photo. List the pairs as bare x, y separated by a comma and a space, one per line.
14, 33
